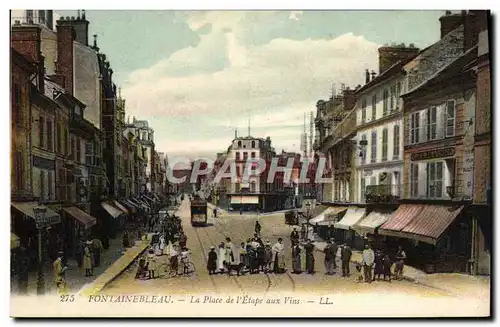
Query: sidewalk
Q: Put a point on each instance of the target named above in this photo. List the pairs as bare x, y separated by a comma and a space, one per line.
454, 283
116, 268
75, 276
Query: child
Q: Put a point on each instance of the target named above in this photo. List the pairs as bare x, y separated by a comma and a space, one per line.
360, 277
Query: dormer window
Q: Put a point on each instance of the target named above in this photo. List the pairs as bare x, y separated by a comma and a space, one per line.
239, 144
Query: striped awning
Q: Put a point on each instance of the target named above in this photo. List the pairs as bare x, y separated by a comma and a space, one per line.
431, 223
131, 208
80, 215
121, 207
15, 241
114, 212
351, 218
400, 219
330, 211
371, 222
27, 209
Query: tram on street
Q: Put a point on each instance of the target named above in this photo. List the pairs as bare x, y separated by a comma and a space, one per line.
198, 212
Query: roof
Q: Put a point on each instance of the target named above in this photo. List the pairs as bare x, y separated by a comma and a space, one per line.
400, 219
22, 61
459, 65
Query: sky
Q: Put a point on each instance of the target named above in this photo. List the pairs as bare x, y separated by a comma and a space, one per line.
197, 76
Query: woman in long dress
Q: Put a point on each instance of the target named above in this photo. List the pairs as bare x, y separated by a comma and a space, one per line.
222, 257
161, 248
151, 264
296, 262
87, 260
279, 262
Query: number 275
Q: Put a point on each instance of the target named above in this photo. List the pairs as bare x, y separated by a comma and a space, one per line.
67, 298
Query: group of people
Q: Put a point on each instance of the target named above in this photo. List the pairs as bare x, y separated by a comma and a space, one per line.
376, 264
89, 255
252, 256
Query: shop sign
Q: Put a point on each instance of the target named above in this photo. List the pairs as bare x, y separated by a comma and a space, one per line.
433, 154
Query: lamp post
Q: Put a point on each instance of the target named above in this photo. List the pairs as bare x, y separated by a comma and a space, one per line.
41, 223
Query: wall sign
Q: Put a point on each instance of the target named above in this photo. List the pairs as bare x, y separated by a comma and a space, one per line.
432, 154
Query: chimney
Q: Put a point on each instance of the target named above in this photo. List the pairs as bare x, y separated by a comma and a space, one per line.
64, 66
367, 76
390, 55
373, 75
471, 29
27, 41
80, 25
348, 99
449, 22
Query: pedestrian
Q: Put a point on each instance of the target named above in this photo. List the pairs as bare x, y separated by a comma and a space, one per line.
141, 269
222, 256
215, 212
97, 248
331, 231
309, 247
257, 228
162, 245
400, 263
345, 258
248, 248
335, 250
329, 257
60, 273
294, 236
379, 268
303, 232
261, 258
182, 240
151, 260
368, 260
230, 252
268, 254
296, 262
387, 263
243, 254
258, 239
310, 233
87, 260
212, 261
279, 262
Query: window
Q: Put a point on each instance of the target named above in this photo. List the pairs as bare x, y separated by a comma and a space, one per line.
363, 111
237, 187
393, 98
435, 180
363, 150
66, 142
245, 156
432, 124
237, 156
414, 180
41, 132
385, 101
253, 188
253, 144
399, 88
374, 106
73, 146
396, 145
17, 113
253, 154
450, 118
89, 153
18, 165
239, 144
374, 147
50, 177
50, 142
58, 138
78, 151
42, 186
414, 127
385, 140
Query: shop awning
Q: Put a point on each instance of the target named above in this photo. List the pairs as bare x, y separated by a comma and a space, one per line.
27, 209
114, 212
351, 217
400, 219
147, 198
143, 204
330, 211
119, 206
80, 215
15, 242
371, 222
157, 197
431, 222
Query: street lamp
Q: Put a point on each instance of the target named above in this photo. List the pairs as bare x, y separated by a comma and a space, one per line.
41, 223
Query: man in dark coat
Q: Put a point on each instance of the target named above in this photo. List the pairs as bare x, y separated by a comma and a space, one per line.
294, 236
335, 249
329, 257
212, 261
379, 268
258, 228
296, 262
309, 247
345, 256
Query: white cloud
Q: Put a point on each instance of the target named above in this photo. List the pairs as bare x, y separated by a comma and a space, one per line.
274, 83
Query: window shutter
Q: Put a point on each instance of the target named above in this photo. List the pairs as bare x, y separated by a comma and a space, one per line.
423, 126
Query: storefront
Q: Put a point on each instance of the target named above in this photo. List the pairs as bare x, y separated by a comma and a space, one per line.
435, 237
344, 231
77, 226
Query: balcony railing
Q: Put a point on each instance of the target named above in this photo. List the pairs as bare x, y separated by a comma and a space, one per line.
383, 193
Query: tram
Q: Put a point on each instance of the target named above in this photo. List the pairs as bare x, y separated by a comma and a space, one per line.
198, 212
